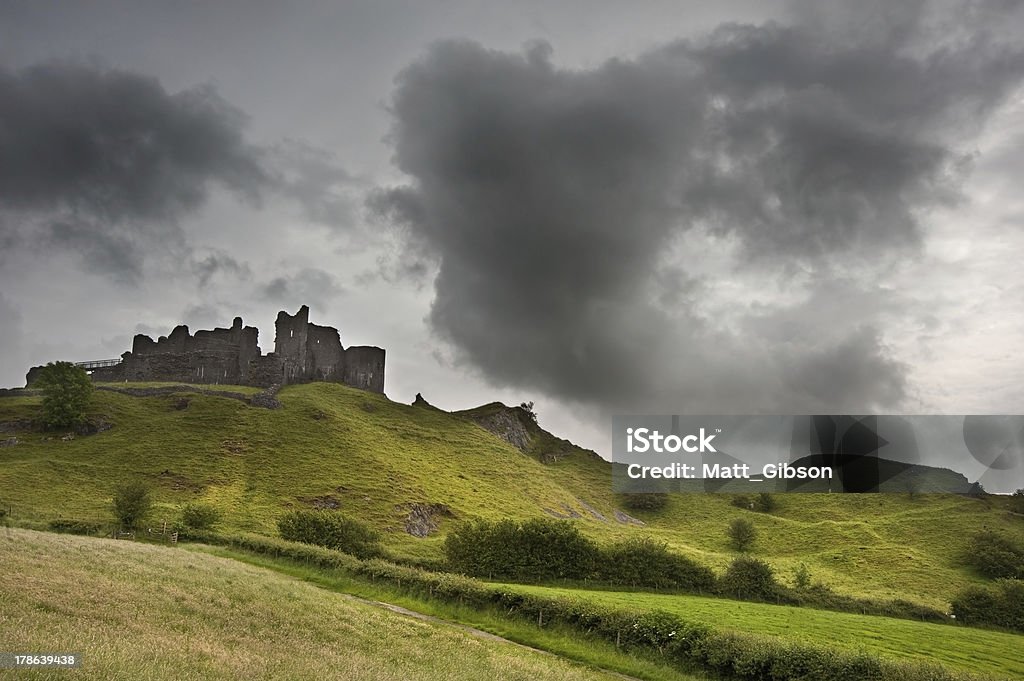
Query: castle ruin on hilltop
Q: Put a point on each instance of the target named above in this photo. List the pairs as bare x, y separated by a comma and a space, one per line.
303, 352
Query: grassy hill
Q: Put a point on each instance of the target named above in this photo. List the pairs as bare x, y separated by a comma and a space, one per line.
337, 447
137, 611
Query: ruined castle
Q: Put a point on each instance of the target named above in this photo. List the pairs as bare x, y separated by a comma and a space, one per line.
303, 352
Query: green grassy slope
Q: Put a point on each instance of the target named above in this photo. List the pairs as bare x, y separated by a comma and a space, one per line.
974, 650
371, 457
136, 611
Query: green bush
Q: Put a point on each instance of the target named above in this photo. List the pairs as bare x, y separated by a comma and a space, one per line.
995, 556
330, 530
765, 503
533, 550
132, 504
741, 533
71, 526
1001, 605
198, 516
649, 501
642, 561
749, 579
66, 392
801, 576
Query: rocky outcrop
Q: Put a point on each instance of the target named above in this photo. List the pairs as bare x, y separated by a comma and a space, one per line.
508, 424
423, 519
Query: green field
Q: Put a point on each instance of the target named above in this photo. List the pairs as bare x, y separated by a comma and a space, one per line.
138, 611
372, 458
974, 650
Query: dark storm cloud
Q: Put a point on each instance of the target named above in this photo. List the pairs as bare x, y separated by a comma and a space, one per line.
105, 162
551, 199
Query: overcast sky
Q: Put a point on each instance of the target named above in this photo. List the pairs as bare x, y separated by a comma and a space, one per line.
604, 207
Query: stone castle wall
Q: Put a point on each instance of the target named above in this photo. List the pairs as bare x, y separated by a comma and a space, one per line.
303, 352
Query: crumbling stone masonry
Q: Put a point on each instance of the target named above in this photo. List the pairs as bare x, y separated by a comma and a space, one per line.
303, 352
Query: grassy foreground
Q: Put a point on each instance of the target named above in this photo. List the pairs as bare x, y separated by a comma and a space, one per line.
138, 611
969, 649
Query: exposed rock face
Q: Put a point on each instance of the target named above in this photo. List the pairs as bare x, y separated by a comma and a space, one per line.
627, 519
507, 423
422, 519
303, 352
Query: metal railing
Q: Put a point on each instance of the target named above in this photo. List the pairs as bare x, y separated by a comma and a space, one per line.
98, 363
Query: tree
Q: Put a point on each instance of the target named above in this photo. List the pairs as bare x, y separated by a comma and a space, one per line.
749, 578
741, 534
66, 391
132, 503
528, 408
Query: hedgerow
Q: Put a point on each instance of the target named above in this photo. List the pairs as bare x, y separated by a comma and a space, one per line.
688, 645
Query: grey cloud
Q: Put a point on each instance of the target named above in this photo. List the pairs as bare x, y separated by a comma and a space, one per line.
550, 200
328, 194
205, 316
12, 339
102, 251
106, 161
307, 286
218, 263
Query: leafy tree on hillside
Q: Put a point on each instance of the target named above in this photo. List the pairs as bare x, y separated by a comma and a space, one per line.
66, 391
132, 503
741, 533
528, 408
748, 578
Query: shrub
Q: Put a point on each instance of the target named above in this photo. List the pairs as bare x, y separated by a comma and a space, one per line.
71, 526
132, 503
765, 503
741, 533
651, 501
642, 561
527, 408
66, 391
801, 576
995, 556
742, 501
1001, 605
749, 578
534, 550
197, 516
330, 530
